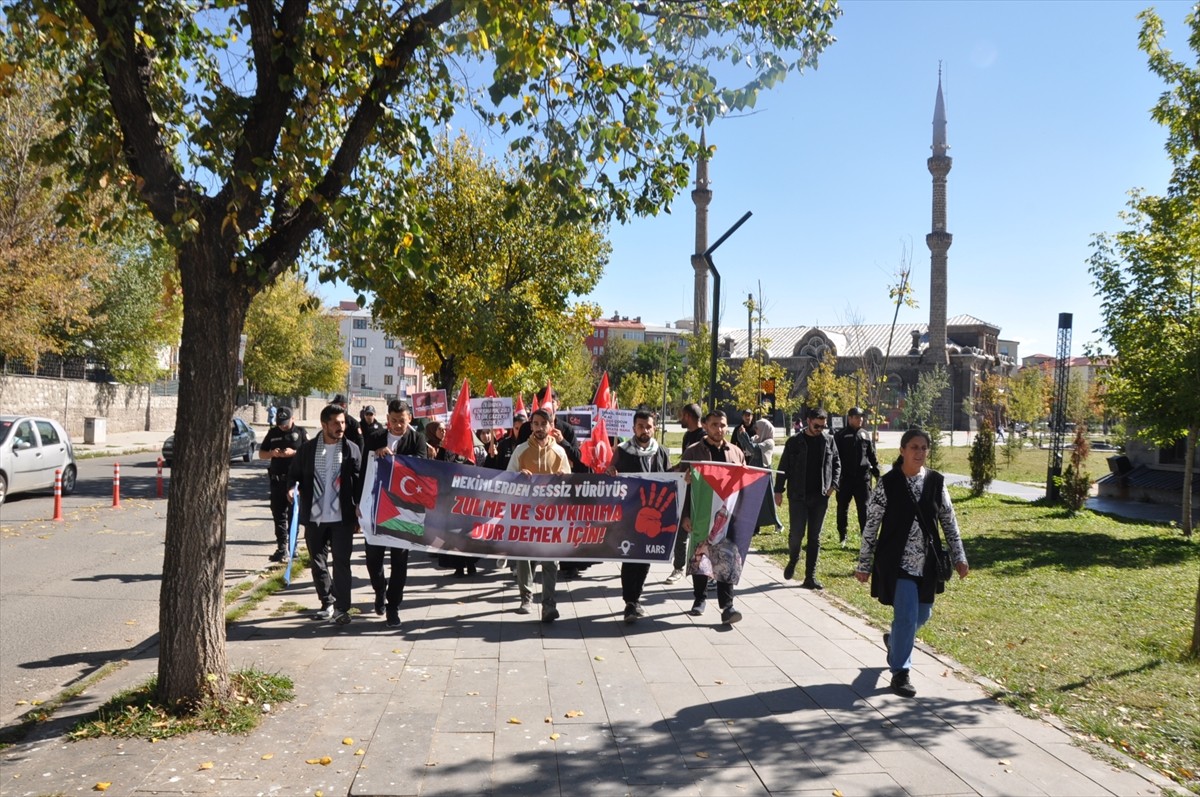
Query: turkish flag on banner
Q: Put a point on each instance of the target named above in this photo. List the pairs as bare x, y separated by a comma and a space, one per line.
411, 488
459, 437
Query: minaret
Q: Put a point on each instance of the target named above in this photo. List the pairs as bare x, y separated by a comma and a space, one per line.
939, 239
702, 196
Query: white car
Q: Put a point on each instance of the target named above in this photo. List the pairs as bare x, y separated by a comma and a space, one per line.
31, 449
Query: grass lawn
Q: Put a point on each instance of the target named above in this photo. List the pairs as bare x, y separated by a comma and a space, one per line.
1028, 464
1088, 618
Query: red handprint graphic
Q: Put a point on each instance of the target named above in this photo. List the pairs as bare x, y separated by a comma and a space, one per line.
649, 519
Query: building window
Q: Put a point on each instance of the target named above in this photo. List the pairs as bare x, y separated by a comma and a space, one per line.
389, 362
389, 344
360, 343
387, 379
360, 323
410, 362
358, 359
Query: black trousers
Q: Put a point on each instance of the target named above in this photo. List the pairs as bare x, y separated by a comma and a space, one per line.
807, 517
281, 509
680, 553
848, 491
338, 539
724, 591
633, 580
389, 587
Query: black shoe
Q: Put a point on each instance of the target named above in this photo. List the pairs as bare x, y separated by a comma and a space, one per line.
811, 583
902, 685
549, 614
280, 555
789, 570
471, 571
887, 642
633, 611
730, 615
378, 606
697, 608
460, 573
341, 618
393, 618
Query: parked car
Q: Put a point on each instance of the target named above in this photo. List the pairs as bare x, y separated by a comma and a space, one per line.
242, 445
31, 449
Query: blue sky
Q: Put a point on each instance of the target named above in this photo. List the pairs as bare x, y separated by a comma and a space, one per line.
1048, 122
1049, 127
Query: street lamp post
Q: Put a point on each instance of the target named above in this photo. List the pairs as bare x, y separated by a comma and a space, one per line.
716, 309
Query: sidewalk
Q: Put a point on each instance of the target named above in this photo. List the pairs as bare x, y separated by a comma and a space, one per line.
471, 698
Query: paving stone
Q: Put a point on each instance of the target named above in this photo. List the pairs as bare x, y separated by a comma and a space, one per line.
919, 773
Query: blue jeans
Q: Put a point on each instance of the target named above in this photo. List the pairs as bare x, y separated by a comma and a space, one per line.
908, 615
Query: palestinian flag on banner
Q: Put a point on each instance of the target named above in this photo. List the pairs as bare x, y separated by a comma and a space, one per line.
725, 501
402, 498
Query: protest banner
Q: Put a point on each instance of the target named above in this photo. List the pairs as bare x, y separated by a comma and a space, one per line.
725, 503
618, 422
491, 413
580, 422
429, 404
444, 507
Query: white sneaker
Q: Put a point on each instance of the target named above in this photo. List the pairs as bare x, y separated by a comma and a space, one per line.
676, 574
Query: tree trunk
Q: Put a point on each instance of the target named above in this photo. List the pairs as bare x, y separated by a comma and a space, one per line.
192, 662
447, 376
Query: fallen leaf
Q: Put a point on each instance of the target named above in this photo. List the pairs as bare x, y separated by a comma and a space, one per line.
22, 702
267, 756
360, 751
397, 650
837, 793
548, 719
573, 713
554, 736
36, 702
598, 658
206, 765
1004, 762
472, 694
102, 785
718, 681
701, 754
326, 761
318, 793
513, 721
347, 741
131, 622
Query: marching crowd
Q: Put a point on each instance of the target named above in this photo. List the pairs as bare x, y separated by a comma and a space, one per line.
321, 480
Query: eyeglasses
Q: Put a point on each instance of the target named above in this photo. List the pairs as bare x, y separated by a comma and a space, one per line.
818, 426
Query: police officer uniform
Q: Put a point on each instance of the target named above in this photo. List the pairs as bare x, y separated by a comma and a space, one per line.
277, 439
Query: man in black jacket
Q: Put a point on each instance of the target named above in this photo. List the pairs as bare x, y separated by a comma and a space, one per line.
401, 439
279, 446
809, 469
639, 454
329, 469
856, 450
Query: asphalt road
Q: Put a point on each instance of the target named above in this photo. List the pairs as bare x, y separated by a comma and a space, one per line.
79, 593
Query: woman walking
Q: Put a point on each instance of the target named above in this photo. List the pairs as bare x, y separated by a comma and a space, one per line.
895, 547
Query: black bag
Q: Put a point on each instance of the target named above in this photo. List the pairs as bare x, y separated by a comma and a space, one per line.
934, 552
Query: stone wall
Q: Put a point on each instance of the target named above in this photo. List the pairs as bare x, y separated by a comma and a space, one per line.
125, 408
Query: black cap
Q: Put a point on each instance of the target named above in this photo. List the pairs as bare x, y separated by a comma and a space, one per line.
368, 410
339, 399
282, 415
855, 411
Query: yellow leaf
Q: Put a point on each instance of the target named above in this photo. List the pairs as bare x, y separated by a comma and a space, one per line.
325, 761
102, 785
267, 756
572, 714
548, 719
318, 793
598, 658
347, 740
513, 721
701, 754
554, 736
206, 765
22, 702
837, 793
472, 694
360, 751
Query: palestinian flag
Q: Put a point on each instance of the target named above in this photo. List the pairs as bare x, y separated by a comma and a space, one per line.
402, 498
725, 501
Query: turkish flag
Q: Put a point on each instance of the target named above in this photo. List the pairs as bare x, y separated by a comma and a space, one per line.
460, 439
490, 392
604, 396
411, 488
520, 410
596, 452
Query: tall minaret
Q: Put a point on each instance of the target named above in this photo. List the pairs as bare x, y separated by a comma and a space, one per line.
939, 239
702, 196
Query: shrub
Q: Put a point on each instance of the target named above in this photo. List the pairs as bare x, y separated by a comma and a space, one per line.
983, 458
1076, 483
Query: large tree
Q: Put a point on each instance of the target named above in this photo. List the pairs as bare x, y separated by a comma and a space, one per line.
247, 128
498, 279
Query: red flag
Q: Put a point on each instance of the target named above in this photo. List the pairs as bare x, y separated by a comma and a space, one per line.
596, 452
520, 405
459, 437
411, 488
548, 393
490, 392
604, 397
533, 407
